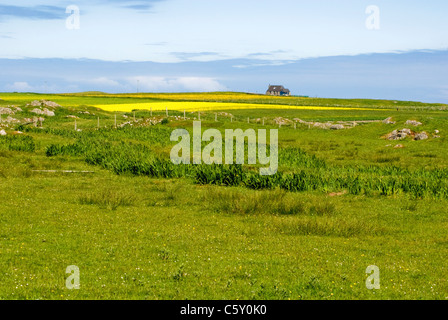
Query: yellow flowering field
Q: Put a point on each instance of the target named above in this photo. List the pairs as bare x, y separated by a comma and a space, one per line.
207, 106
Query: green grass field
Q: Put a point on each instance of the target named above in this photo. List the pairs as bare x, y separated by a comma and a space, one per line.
139, 227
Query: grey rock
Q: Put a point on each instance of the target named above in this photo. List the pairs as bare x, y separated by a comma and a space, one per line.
421, 136
413, 123
44, 103
407, 131
10, 119
397, 134
388, 121
4, 110
35, 103
44, 112
337, 127
50, 104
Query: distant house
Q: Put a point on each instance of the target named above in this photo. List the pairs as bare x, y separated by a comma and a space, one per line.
277, 91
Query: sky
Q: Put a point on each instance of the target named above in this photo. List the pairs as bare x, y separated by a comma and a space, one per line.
213, 45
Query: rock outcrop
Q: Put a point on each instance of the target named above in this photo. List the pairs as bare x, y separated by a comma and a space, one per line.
44, 112
44, 103
388, 121
421, 136
413, 123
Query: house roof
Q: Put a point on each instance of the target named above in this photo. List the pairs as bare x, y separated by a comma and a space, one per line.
277, 88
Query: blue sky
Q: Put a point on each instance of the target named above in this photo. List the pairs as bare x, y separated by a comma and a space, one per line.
252, 36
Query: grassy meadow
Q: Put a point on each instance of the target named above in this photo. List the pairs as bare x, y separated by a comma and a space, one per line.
106, 198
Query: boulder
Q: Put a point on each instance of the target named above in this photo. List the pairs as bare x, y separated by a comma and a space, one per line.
2, 132
4, 110
413, 123
421, 136
399, 134
282, 121
35, 103
47, 112
406, 131
396, 135
50, 104
44, 103
388, 121
10, 119
44, 112
322, 125
337, 127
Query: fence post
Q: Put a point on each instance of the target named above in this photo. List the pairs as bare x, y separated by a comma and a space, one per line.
184, 115
248, 120
98, 122
75, 125
231, 119
151, 112
216, 117
295, 125
134, 116
167, 111
115, 122
199, 115
263, 121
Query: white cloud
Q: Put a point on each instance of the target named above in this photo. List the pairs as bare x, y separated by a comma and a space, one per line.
103, 81
167, 84
19, 87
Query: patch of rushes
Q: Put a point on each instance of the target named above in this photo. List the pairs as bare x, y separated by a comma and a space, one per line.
305, 172
107, 199
17, 143
276, 202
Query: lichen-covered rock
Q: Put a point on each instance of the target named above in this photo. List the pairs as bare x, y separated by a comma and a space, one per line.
388, 121
35, 103
10, 119
4, 110
396, 135
282, 121
50, 104
2, 132
407, 131
421, 136
413, 123
44, 112
44, 103
337, 127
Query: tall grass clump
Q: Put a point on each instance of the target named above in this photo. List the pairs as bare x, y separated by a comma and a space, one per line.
304, 173
107, 199
17, 143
